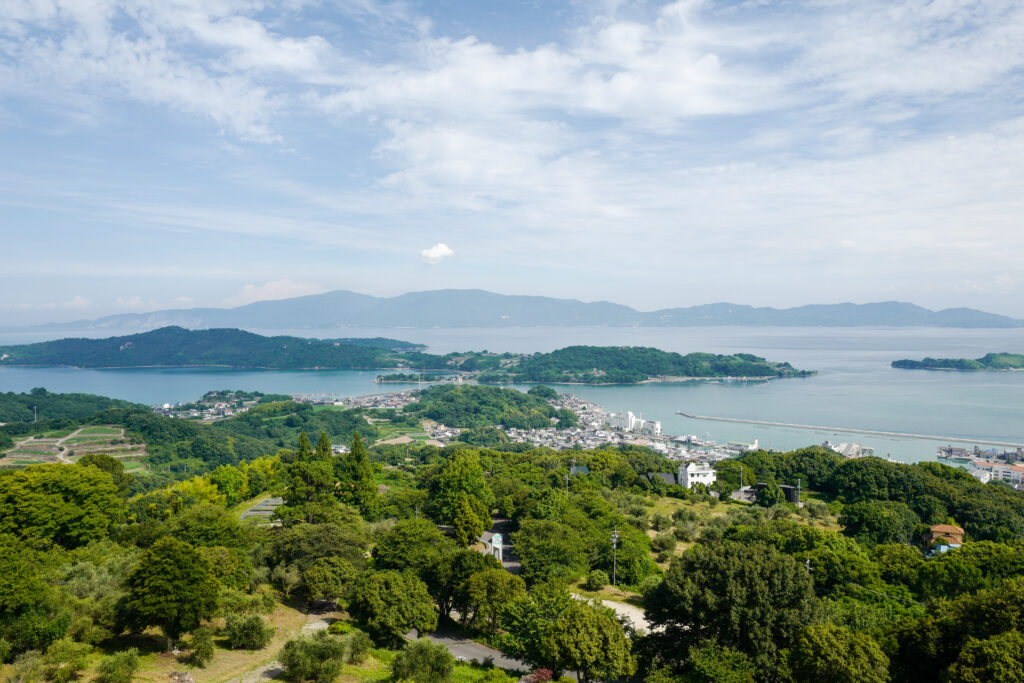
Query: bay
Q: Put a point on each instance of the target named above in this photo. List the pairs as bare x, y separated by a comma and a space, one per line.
855, 387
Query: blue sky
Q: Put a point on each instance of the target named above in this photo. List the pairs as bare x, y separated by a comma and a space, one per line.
215, 152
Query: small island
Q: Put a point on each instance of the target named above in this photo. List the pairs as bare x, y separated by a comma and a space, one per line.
991, 361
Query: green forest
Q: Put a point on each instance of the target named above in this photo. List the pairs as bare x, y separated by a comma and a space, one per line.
114, 577
990, 361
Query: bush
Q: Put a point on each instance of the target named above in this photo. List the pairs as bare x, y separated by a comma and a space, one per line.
247, 633
359, 644
664, 542
596, 580
423, 661
318, 658
27, 667
64, 660
661, 522
119, 667
202, 647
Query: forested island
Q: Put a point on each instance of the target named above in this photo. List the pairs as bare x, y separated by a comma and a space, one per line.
990, 361
111, 575
178, 347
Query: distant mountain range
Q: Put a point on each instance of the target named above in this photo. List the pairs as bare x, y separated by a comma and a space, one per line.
477, 308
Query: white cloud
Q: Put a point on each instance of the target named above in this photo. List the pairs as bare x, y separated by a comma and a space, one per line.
269, 291
437, 253
77, 302
137, 303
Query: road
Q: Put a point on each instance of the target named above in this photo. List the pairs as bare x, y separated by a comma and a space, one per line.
818, 428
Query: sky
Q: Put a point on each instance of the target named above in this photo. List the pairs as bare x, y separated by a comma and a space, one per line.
216, 152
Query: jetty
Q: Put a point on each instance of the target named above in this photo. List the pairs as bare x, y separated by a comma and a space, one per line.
873, 432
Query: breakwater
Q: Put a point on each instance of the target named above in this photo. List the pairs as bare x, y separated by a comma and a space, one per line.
820, 428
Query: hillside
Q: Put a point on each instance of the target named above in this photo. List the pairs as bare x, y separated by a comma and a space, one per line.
478, 308
631, 364
175, 346
991, 361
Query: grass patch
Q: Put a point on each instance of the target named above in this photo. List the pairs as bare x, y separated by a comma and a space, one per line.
57, 434
30, 451
613, 593
86, 440
106, 431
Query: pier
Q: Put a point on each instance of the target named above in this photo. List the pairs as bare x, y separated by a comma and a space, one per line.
819, 428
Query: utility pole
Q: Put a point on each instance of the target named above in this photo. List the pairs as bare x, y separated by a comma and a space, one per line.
615, 559
566, 484
35, 414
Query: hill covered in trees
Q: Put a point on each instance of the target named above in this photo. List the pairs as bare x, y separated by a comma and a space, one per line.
632, 364
176, 347
990, 361
107, 574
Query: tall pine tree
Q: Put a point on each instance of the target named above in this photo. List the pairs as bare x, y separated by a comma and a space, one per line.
356, 484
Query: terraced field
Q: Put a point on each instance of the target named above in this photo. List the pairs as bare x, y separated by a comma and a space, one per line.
69, 445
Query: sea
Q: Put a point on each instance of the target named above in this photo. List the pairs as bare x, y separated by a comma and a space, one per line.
854, 387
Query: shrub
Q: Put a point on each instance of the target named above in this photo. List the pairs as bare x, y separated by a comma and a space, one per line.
64, 660
202, 647
596, 580
359, 644
119, 667
664, 542
318, 658
423, 661
247, 633
27, 667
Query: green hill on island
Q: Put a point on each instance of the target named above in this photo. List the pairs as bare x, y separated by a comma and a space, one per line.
631, 364
990, 361
178, 347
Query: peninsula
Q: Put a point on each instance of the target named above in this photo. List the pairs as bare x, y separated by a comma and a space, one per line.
990, 361
178, 347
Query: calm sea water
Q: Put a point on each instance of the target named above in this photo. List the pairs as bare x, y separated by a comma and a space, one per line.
855, 387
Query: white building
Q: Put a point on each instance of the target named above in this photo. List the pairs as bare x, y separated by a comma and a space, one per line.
696, 473
649, 427
625, 421
1011, 474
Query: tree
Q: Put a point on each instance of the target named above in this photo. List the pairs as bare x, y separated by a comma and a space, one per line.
119, 667
467, 525
318, 658
47, 504
446, 579
110, 465
247, 632
529, 625
302, 544
356, 483
487, 593
999, 659
879, 521
172, 587
461, 475
590, 641
714, 663
546, 546
64, 660
825, 652
390, 604
414, 544
423, 661
231, 482
323, 448
747, 596
770, 495
327, 578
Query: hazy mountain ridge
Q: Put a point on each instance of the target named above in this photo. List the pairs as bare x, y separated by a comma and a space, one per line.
478, 308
